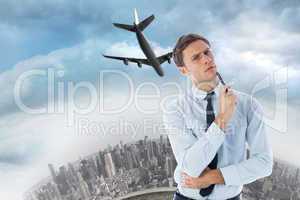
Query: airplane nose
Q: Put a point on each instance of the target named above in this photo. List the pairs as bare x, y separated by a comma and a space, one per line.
161, 73
159, 70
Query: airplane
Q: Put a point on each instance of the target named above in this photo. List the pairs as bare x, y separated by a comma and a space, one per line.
151, 58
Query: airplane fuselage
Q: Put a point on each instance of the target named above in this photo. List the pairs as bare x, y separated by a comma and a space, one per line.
147, 50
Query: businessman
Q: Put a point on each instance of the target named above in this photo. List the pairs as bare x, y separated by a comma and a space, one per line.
210, 128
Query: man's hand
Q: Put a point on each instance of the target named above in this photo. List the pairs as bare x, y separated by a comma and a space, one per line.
195, 182
227, 106
207, 178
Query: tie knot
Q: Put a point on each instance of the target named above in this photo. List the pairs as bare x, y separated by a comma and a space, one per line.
209, 95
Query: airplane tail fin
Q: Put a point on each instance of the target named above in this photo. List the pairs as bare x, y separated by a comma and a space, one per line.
136, 17
143, 24
125, 26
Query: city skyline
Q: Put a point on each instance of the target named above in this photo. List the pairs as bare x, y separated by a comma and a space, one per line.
150, 157
124, 169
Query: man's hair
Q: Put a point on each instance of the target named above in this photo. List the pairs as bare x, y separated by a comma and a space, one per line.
182, 43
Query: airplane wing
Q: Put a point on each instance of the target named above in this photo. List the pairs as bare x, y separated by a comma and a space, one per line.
138, 61
165, 57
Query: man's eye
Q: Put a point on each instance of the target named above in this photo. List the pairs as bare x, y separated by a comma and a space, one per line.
206, 52
195, 57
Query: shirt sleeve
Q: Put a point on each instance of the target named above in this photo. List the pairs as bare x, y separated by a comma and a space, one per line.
191, 153
260, 162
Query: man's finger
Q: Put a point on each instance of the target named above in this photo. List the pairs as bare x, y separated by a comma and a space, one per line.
224, 89
184, 175
229, 93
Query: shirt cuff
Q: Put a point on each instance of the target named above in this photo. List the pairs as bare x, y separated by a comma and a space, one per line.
230, 175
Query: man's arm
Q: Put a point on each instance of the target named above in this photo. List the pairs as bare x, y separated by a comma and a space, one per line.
207, 178
260, 162
192, 154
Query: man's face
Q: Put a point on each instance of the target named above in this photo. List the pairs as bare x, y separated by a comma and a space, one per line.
198, 62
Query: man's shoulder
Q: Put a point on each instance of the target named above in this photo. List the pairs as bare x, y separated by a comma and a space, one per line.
177, 102
174, 101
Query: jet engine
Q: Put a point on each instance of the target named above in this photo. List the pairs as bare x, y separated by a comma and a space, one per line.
169, 60
139, 64
125, 61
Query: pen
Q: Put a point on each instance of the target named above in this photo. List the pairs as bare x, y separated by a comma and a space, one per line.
222, 81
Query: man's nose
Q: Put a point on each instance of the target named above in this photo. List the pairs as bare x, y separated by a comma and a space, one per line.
207, 59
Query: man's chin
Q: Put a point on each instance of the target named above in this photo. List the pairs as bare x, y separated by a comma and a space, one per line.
211, 81
211, 76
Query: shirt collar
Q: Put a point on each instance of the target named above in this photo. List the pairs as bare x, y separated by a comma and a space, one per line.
201, 94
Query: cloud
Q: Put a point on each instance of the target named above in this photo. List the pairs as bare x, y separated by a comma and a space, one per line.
30, 142
78, 62
126, 49
45, 26
82, 62
23, 150
290, 19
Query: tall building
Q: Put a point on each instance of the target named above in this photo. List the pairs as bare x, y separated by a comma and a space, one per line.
83, 187
52, 172
92, 168
121, 144
109, 165
129, 158
102, 163
99, 167
134, 155
72, 173
62, 181
54, 178
86, 174
169, 166
116, 156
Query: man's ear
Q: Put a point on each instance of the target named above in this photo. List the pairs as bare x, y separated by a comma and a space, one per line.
184, 70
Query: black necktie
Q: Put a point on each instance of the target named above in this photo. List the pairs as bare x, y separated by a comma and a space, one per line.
210, 117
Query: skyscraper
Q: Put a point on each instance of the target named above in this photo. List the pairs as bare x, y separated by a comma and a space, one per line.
169, 166
52, 172
109, 165
83, 187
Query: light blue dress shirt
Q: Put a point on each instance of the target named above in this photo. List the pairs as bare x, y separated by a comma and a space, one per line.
185, 122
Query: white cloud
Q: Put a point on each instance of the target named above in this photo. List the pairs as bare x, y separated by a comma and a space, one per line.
59, 143
127, 49
57, 60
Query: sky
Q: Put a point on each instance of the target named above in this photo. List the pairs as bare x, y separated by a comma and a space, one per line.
255, 43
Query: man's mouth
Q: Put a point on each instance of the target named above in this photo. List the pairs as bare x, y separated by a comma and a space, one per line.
210, 68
